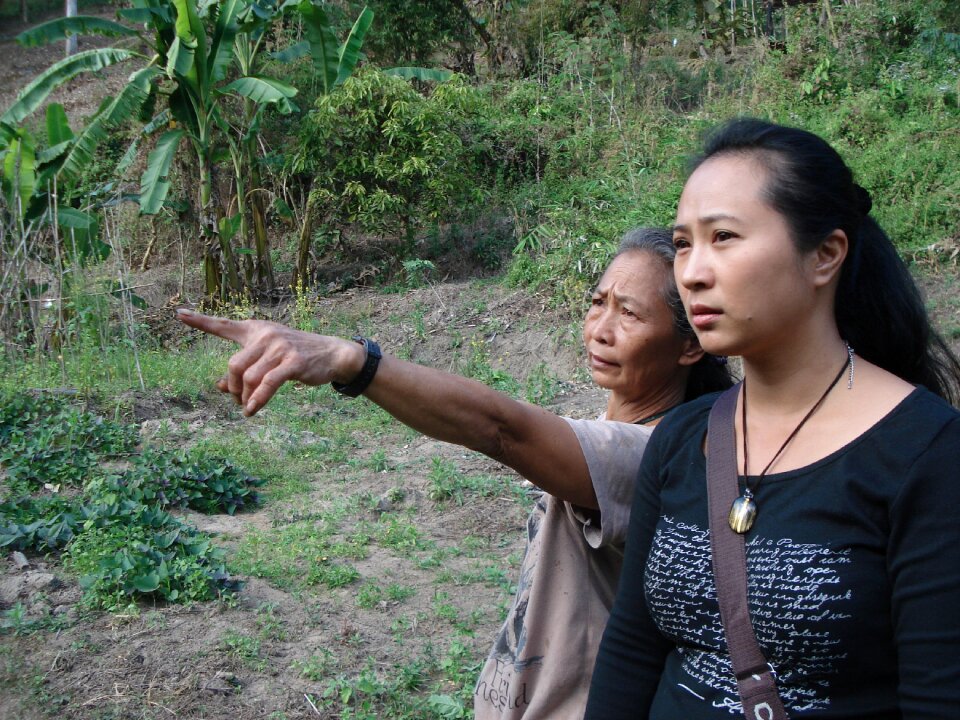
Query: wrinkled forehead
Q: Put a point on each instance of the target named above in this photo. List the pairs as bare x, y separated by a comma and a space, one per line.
639, 273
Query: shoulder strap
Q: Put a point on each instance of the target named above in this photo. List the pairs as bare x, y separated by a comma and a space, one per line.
758, 690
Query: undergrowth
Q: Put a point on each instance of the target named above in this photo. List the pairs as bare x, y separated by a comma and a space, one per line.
78, 483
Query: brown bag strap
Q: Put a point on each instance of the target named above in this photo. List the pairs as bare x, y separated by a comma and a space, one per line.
758, 690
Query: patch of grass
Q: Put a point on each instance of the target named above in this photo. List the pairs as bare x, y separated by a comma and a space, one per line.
541, 386
271, 627
399, 593
443, 608
368, 596
448, 483
317, 666
479, 368
400, 535
298, 555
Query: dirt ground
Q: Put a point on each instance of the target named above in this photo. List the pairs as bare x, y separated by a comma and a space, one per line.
21, 65
170, 661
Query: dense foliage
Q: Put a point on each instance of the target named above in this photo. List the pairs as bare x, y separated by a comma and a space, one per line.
565, 123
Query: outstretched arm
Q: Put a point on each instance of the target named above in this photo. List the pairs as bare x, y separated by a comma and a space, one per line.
537, 444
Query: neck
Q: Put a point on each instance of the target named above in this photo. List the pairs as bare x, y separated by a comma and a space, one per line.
787, 379
629, 410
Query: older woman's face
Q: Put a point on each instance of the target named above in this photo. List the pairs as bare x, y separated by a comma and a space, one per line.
632, 345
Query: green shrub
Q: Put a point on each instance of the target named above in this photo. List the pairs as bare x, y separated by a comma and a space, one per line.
146, 553
386, 158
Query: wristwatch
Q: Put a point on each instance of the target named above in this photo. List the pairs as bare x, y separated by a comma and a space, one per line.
369, 369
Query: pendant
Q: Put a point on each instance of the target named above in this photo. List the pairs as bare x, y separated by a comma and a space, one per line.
742, 514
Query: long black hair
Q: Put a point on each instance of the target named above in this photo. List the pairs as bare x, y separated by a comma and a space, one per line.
879, 310
709, 373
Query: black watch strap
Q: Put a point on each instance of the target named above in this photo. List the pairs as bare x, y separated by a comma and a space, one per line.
369, 369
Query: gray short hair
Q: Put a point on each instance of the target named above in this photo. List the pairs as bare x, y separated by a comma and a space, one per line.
659, 242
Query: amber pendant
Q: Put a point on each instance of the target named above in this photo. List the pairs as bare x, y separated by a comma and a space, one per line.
742, 514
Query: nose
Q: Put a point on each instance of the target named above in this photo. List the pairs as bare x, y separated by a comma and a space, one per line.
693, 269
603, 331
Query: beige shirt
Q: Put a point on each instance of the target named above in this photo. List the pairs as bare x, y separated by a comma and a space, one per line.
541, 663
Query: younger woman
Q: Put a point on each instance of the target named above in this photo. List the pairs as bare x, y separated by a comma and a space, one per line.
845, 445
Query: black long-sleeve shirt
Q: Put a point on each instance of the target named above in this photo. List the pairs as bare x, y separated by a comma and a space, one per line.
854, 579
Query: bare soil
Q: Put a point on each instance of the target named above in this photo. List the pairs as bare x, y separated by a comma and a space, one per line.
172, 661
80, 98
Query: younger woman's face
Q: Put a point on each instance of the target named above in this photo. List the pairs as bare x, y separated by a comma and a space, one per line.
745, 286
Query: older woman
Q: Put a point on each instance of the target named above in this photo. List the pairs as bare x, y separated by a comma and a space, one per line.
639, 347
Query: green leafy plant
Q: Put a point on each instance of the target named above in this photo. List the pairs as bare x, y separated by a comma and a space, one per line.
114, 532
146, 552
380, 155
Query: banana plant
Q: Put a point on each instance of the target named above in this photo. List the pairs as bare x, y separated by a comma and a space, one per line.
194, 46
26, 173
200, 63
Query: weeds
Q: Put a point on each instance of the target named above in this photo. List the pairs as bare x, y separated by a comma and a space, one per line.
113, 528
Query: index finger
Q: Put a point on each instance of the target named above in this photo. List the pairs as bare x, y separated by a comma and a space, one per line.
221, 327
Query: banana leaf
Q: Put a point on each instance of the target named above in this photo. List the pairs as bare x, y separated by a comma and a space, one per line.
127, 103
19, 170
154, 184
62, 28
291, 53
221, 46
158, 121
350, 51
80, 233
264, 91
323, 44
34, 94
58, 127
192, 38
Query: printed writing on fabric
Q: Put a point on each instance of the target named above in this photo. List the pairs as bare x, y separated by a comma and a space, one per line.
795, 592
498, 692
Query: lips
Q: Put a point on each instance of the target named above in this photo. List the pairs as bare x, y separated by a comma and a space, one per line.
598, 363
703, 316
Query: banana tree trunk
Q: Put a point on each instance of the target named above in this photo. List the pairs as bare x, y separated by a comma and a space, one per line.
219, 261
258, 213
302, 277
264, 263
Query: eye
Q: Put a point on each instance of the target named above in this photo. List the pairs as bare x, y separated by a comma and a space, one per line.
721, 235
629, 313
596, 301
681, 243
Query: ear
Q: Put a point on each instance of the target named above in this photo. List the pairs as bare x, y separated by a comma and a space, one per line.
690, 352
828, 257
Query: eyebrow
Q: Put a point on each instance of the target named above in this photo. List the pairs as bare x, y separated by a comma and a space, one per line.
620, 297
629, 300
706, 220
